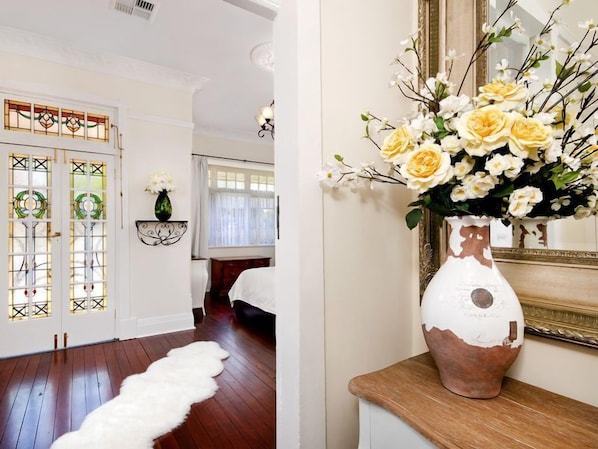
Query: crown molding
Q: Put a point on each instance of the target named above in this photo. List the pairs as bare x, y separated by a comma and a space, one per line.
37, 46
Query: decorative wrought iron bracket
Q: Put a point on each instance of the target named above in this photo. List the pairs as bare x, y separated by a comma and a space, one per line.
154, 232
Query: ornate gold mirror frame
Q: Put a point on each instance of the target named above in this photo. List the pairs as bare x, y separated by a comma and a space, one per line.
558, 290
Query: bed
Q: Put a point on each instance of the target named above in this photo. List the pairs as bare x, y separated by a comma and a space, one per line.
255, 286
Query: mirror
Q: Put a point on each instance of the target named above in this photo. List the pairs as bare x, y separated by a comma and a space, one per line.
568, 234
557, 284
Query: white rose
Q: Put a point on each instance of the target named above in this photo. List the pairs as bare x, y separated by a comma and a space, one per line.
452, 105
497, 165
479, 184
463, 167
523, 200
451, 144
458, 194
515, 166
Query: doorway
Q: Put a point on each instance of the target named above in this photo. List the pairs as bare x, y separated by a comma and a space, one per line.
58, 238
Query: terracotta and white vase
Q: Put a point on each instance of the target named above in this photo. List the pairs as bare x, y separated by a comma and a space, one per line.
471, 317
530, 233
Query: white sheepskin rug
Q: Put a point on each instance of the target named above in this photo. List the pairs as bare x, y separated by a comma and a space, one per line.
152, 403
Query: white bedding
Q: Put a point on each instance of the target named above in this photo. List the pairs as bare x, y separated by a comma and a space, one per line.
255, 286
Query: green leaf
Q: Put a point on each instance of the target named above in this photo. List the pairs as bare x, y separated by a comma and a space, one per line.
562, 72
584, 87
505, 191
339, 158
570, 176
365, 117
413, 218
559, 69
439, 121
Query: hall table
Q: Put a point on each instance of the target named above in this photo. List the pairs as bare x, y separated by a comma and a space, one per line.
406, 406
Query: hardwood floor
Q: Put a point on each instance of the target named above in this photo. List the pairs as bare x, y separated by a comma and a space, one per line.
45, 395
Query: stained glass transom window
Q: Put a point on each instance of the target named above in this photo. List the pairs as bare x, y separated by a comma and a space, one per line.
88, 228
29, 242
53, 120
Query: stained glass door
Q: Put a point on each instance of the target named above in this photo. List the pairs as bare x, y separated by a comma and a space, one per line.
57, 241
89, 314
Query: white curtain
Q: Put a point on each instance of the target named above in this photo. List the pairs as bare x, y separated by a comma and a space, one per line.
241, 218
199, 207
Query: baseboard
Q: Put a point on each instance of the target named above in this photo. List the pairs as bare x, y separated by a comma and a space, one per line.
164, 324
127, 329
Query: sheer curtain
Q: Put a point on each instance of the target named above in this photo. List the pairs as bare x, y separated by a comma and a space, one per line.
199, 207
241, 218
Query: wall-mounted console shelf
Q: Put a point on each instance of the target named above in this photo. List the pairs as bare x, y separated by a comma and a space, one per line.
405, 405
154, 232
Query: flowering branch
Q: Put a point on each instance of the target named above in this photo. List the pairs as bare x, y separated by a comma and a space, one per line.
517, 149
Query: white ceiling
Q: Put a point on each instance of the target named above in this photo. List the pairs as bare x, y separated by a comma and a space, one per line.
208, 43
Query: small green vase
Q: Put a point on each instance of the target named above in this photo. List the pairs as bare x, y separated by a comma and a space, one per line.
163, 208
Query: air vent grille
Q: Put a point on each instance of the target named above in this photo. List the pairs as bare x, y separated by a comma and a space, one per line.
140, 8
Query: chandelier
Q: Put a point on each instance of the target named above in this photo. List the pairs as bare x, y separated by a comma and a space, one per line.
265, 120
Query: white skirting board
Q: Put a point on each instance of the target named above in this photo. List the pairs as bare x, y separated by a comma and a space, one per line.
164, 324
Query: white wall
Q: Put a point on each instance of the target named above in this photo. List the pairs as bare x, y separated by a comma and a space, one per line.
154, 293
368, 271
367, 249
260, 151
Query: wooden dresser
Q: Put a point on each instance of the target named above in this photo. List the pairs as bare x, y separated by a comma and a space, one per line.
225, 271
406, 406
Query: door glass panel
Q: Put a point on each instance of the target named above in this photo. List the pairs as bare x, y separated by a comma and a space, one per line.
29, 244
87, 236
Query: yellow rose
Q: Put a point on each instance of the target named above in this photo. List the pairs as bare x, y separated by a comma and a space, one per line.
397, 144
484, 130
426, 167
528, 135
506, 96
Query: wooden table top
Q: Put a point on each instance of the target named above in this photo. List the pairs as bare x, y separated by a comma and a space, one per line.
522, 416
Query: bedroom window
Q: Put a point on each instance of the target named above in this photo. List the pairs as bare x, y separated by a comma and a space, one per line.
241, 207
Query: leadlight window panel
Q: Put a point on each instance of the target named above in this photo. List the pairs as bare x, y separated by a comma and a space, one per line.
46, 120
88, 257
53, 120
29, 242
73, 124
17, 115
98, 127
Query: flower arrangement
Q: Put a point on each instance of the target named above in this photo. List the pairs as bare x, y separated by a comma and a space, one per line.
520, 148
159, 182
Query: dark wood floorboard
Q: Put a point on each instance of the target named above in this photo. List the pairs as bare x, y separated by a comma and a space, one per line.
45, 395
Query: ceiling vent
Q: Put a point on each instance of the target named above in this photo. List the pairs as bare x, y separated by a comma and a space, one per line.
140, 8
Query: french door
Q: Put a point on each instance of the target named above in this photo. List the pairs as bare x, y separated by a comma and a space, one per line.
57, 249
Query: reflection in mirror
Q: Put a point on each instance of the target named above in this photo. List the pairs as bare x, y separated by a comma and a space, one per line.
566, 234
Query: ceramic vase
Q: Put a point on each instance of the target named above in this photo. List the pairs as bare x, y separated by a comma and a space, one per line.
530, 233
471, 318
163, 208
